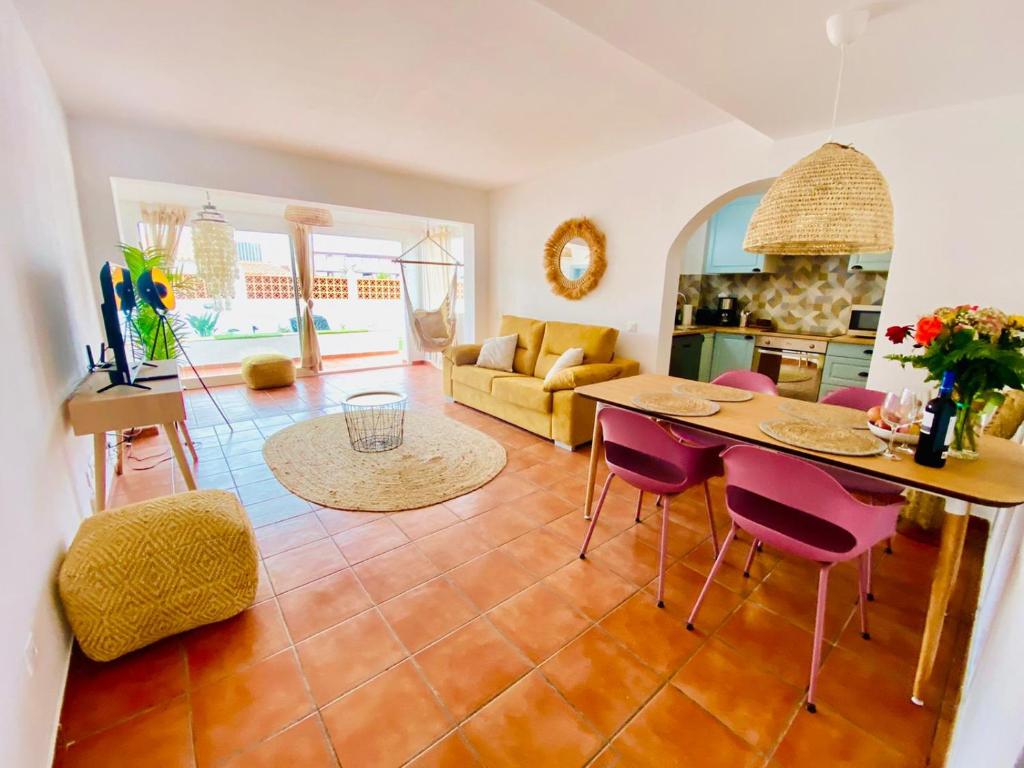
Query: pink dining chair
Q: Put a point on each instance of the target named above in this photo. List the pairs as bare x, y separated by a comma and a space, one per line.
855, 397
874, 491
796, 507
641, 451
749, 380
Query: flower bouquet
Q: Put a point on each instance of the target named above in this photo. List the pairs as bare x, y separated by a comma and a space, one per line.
983, 347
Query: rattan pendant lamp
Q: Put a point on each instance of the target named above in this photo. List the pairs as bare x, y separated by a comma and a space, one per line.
834, 201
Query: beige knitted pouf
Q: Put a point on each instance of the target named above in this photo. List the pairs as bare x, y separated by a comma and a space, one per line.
268, 370
140, 573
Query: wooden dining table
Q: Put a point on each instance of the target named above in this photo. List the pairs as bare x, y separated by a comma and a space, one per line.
995, 479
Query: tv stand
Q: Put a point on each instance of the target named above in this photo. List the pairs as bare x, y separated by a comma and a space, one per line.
96, 407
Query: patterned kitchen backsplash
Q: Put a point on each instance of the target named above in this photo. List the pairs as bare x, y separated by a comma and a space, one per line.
810, 294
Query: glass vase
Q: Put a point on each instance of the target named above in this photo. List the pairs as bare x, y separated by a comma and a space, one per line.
964, 444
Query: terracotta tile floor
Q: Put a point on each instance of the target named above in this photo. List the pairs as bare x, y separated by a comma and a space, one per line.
469, 633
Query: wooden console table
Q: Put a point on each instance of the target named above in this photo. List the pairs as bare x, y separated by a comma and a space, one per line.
120, 408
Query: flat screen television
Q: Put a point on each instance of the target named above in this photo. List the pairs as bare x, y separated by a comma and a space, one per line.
118, 302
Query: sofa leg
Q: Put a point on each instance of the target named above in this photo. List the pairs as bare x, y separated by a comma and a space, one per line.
563, 446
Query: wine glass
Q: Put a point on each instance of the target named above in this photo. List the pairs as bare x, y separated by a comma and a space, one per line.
897, 413
916, 416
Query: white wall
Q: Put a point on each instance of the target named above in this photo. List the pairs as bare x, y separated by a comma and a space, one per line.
47, 315
104, 149
957, 180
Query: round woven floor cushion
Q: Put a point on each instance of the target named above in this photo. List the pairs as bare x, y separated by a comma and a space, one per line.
268, 370
140, 573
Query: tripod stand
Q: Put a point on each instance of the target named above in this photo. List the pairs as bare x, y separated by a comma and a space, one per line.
165, 332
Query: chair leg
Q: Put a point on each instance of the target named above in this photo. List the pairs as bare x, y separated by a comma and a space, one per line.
711, 576
864, 564
597, 512
867, 578
888, 546
661, 556
711, 516
639, 503
819, 632
658, 501
755, 546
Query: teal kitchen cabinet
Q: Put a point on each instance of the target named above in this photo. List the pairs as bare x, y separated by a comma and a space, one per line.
706, 352
724, 252
846, 365
869, 262
733, 351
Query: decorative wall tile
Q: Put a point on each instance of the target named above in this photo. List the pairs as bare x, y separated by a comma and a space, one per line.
810, 294
380, 290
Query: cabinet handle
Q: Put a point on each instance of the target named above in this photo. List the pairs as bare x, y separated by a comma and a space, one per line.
748, 338
862, 374
756, 269
810, 346
857, 266
868, 351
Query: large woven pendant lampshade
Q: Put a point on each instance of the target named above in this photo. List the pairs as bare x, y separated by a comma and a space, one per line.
213, 247
834, 201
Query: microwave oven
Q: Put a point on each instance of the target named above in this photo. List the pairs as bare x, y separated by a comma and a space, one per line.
864, 320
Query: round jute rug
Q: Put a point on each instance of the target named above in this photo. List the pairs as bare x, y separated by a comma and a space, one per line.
439, 459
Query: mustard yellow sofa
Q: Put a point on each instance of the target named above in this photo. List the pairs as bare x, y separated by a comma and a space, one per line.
520, 397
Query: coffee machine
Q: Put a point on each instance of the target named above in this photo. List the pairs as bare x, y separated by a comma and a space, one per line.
727, 313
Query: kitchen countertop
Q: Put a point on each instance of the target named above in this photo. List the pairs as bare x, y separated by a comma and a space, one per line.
751, 331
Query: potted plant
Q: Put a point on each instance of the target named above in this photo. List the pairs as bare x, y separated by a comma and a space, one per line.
146, 321
983, 347
204, 325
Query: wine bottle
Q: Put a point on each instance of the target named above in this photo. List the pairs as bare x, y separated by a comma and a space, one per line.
937, 425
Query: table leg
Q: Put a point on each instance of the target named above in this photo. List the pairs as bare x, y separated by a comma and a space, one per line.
99, 447
179, 455
954, 529
596, 454
119, 466
188, 441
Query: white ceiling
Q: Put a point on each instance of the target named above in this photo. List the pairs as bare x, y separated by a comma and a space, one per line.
490, 92
485, 92
769, 63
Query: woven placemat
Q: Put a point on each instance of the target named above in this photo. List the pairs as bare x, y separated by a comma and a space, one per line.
675, 405
823, 413
715, 392
823, 437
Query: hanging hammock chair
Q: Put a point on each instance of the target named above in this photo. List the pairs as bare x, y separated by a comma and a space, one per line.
434, 329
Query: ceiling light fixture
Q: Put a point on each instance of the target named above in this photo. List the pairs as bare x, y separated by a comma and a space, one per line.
213, 247
834, 201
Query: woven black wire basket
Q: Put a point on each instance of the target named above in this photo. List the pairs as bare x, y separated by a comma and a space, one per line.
375, 420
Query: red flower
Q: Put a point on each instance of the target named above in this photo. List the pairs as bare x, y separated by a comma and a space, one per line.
927, 329
897, 333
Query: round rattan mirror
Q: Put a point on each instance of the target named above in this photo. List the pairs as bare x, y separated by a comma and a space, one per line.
574, 258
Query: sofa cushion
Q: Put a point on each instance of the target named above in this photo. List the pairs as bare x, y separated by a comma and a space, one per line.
498, 353
598, 344
581, 375
478, 378
531, 332
524, 391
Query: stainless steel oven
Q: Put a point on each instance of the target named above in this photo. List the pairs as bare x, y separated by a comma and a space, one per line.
795, 365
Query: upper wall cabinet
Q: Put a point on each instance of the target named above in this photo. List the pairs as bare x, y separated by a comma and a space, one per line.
726, 230
869, 262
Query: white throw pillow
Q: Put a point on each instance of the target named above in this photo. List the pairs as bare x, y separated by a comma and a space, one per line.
571, 357
498, 353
